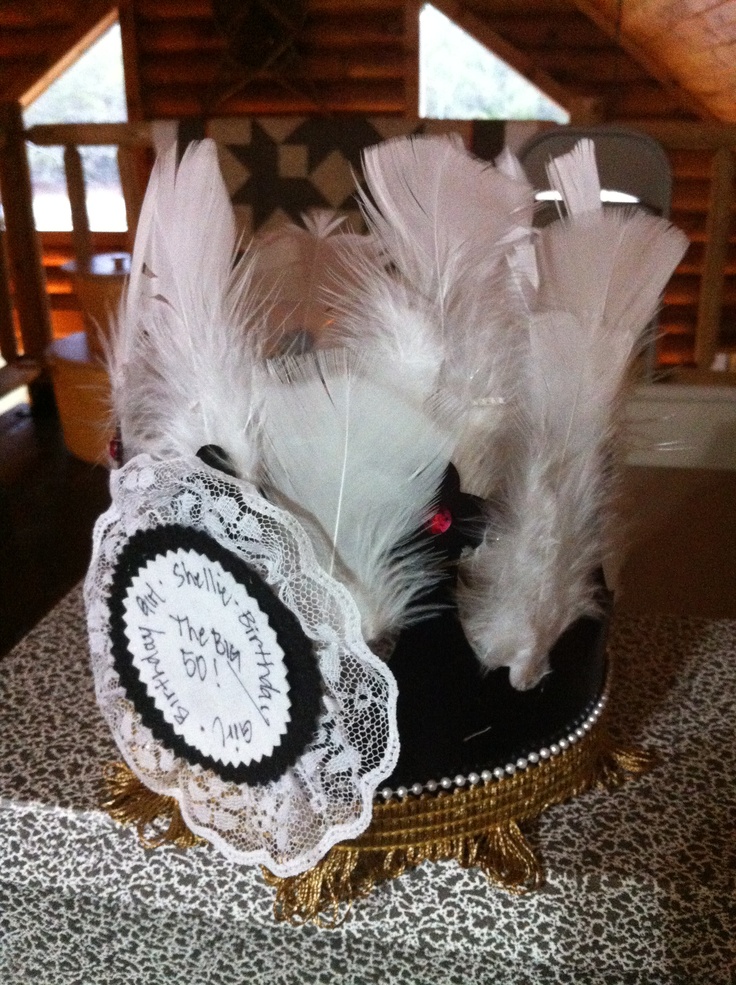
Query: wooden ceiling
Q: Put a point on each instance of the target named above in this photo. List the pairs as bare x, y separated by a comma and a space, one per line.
604, 59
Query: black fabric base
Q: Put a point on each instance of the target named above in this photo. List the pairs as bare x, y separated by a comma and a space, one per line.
444, 697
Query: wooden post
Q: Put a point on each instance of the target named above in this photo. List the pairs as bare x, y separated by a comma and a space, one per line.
24, 254
8, 344
75, 189
412, 9
129, 170
714, 263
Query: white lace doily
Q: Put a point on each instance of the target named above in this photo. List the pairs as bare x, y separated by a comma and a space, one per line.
326, 796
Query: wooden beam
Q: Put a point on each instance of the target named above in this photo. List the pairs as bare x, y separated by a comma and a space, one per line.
131, 59
54, 134
75, 189
519, 60
654, 67
23, 249
129, 168
372, 99
8, 344
716, 249
67, 46
683, 135
207, 69
412, 9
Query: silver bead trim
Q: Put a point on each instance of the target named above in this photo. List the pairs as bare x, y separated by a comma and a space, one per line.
500, 772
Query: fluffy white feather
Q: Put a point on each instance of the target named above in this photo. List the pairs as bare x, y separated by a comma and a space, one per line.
441, 308
300, 269
600, 275
184, 361
361, 465
438, 209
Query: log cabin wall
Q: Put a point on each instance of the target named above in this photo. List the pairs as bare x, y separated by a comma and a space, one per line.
603, 59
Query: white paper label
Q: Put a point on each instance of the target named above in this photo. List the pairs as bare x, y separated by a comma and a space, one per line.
208, 657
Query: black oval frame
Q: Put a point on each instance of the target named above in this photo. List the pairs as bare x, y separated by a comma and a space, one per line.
302, 672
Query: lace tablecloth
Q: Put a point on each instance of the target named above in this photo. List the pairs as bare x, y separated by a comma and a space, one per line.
640, 882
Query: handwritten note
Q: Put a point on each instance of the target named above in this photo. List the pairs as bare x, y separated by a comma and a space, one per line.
208, 657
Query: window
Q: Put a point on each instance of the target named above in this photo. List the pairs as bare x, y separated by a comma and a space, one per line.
461, 79
92, 90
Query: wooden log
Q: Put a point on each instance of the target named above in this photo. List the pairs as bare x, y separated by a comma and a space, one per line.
687, 135
604, 66
350, 7
561, 31
358, 27
129, 168
54, 134
8, 343
24, 254
75, 189
691, 195
642, 99
174, 36
208, 69
169, 10
258, 98
412, 9
531, 8
691, 223
712, 283
148, 11
690, 164
26, 43
131, 58
30, 15
694, 260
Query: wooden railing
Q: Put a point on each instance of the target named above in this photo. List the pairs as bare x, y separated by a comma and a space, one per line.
71, 136
25, 265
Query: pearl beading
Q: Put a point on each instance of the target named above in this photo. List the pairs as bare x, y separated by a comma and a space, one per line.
499, 772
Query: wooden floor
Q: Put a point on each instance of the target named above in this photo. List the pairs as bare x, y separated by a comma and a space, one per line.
680, 530
49, 501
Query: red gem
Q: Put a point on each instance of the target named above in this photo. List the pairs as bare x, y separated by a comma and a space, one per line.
115, 450
440, 522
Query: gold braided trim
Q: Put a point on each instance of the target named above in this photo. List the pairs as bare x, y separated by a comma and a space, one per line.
478, 827
157, 818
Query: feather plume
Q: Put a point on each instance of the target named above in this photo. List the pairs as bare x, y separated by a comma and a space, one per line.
361, 466
184, 360
601, 275
300, 268
439, 307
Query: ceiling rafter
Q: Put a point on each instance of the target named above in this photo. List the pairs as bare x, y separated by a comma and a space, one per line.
608, 24
68, 46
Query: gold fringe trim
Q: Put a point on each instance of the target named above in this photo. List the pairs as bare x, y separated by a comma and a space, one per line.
477, 827
157, 818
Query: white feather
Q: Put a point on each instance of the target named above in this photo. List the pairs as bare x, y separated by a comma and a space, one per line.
361, 465
438, 209
600, 276
184, 356
443, 311
300, 269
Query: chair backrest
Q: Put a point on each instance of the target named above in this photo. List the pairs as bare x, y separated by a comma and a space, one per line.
628, 161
